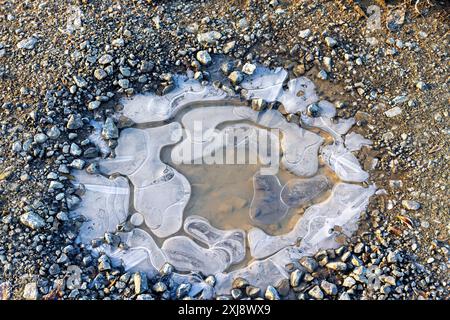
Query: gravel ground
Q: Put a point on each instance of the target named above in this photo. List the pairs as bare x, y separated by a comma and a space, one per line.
62, 65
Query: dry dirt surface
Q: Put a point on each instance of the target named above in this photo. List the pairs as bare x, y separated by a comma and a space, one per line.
386, 63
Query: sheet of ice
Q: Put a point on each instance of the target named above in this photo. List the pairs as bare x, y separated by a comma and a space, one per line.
314, 228
153, 108
297, 192
300, 94
343, 163
161, 192
265, 84
141, 253
355, 141
266, 206
233, 241
258, 273
105, 204
336, 128
186, 255
162, 204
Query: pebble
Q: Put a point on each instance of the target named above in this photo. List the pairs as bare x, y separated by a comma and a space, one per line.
94, 105
349, 282
411, 205
339, 266
271, 293
105, 59
32, 220
100, 74
296, 277
309, 264
80, 81
316, 293
329, 288
110, 130
40, 138
395, 111
27, 44
331, 42
236, 77
140, 282
208, 38
31, 291
322, 74
204, 58
248, 68
305, 33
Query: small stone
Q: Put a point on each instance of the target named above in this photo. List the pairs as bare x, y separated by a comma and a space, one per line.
411, 205
80, 81
100, 74
105, 59
124, 83
236, 294
227, 67
308, 263
329, 288
27, 44
204, 58
421, 85
159, 287
316, 293
32, 220
323, 75
252, 291
208, 38
271, 293
248, 68
296, 277
349, 282
110, 130
104, 263
94, 105
140, 282
239, 283
137, 219
229, 46
344, 296
305, 33
338, 266
331, 42
395, 111
236, 77
40, 138
74, 122
31, 291
183, 289
53, 133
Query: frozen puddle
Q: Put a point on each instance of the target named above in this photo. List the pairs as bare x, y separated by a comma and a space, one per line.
218, 188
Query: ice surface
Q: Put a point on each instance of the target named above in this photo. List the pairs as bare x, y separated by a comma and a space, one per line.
300, 94
343, 163
336, 128
265, 84
233, 241
314, 228
153, 108
105, 204
297, 192
266, 206
161, 192
141, 253
185, 255
355, 141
